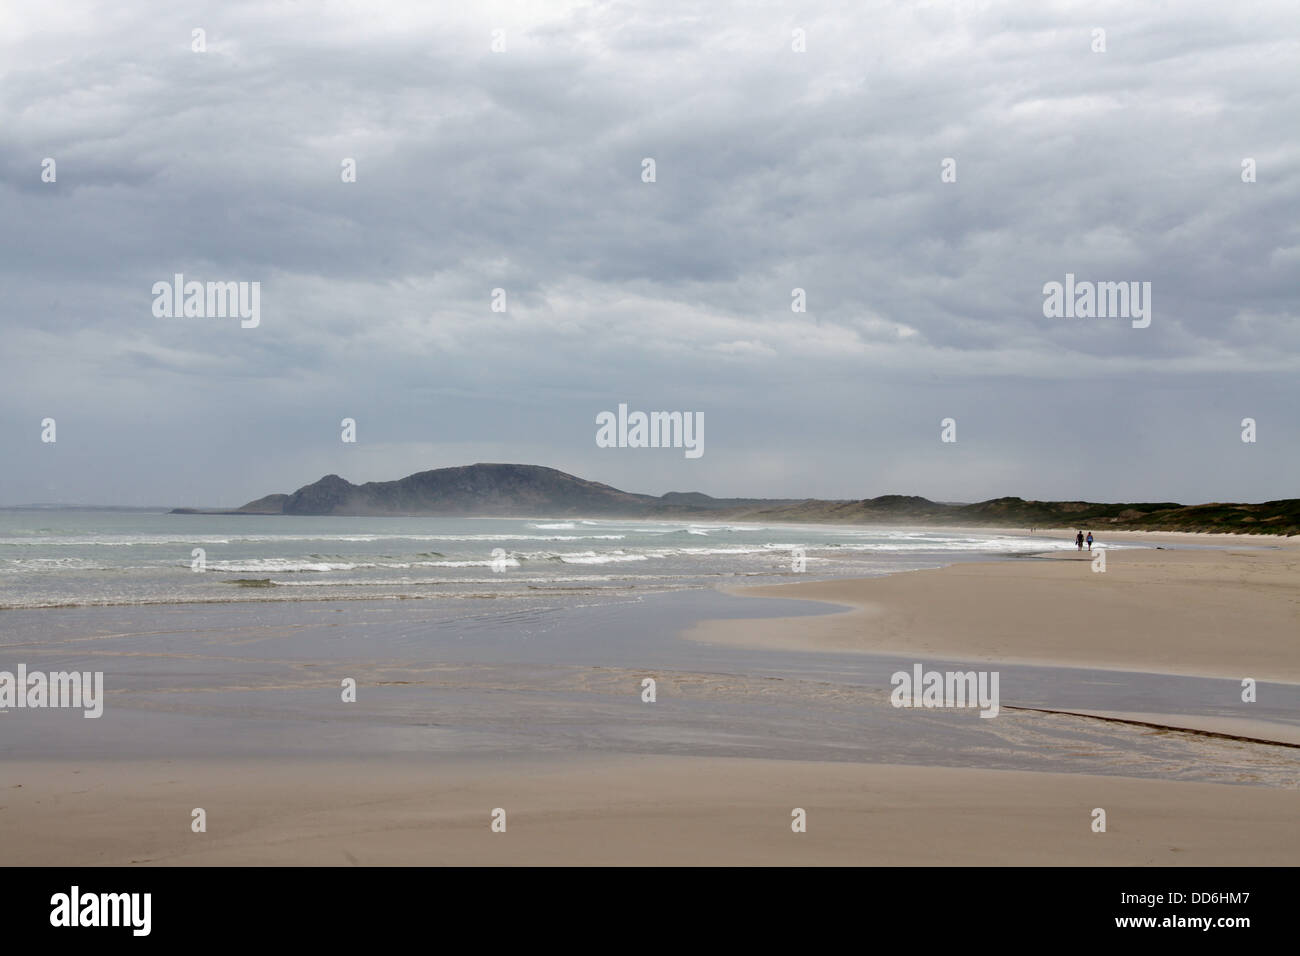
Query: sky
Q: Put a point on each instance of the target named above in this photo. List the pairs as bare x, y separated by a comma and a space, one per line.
795, 146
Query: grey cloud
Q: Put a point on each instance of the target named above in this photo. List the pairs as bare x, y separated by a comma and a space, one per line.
521, 170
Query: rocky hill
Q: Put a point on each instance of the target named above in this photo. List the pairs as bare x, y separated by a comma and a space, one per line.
532, 490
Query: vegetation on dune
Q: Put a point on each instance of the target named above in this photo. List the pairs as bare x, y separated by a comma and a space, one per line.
1269, 517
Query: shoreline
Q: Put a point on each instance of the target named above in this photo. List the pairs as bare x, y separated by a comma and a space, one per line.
1228, 613
1155, 538
1232, 539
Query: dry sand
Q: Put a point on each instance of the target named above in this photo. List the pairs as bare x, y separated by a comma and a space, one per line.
635, 811
1230, 613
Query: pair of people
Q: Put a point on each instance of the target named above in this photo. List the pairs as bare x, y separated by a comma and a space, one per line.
1079, 540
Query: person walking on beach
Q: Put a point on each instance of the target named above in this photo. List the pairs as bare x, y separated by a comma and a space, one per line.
1078, 541
1089, 541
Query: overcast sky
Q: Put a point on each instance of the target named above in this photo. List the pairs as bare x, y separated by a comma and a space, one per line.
774, 170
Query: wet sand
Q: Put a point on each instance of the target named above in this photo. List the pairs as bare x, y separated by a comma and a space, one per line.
1232, 613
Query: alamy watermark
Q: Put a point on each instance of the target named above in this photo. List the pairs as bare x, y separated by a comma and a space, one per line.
1098, 300
36, 689
946, 689
652, 430
213, 300
76, 908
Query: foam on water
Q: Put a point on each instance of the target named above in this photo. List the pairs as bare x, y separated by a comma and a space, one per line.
86, 557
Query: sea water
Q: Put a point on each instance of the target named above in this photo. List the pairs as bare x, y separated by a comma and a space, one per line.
52, 557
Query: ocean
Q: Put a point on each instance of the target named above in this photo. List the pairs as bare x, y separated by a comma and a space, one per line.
62, 558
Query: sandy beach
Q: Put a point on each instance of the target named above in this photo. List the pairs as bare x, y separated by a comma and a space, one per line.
641, 811
1232, 613
236, 710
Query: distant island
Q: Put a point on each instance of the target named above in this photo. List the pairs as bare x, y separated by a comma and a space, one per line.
532, 491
